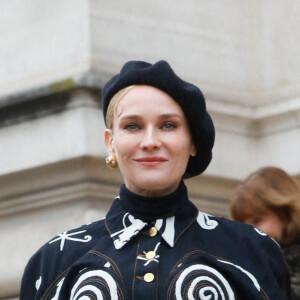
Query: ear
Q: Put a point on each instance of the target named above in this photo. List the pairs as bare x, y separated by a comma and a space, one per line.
109, 141
193, 150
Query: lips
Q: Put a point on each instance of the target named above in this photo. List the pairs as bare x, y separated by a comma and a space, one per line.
151, 161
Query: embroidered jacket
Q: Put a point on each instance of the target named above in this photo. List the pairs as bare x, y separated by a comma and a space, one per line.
157, 248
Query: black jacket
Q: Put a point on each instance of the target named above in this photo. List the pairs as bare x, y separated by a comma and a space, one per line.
160, 248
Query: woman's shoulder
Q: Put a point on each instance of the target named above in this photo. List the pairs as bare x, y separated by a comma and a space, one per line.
54, 258
241, 236
84, 235
230, 226
241, 250
207, 221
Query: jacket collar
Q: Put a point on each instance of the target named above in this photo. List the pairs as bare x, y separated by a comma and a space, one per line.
123, 225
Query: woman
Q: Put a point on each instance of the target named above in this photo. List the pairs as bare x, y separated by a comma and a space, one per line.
269, 199
154, 243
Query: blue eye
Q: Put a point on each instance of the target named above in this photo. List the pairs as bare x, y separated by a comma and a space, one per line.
131, 127
169, 126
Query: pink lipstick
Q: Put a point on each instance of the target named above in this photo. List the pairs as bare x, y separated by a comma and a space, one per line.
151, 160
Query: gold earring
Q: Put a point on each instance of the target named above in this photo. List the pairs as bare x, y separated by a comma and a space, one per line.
111, 161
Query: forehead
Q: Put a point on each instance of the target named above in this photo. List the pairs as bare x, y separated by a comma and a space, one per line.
148, 98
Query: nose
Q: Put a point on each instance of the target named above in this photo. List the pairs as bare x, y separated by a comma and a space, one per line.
150, 139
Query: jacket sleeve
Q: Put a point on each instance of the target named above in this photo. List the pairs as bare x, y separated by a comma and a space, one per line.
32, 281
277, 270
48, 266
264, 260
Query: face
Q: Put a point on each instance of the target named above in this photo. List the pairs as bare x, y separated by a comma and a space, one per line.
150, 140
269, 223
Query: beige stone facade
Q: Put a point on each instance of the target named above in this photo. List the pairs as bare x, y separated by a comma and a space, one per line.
56, 55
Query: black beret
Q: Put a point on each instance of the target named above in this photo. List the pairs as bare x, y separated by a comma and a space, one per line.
187, 95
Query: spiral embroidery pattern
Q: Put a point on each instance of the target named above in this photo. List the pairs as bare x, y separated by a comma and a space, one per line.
95, 284
205, 222
204, 283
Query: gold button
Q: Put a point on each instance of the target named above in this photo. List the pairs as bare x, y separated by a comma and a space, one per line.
148, 277
150, 255
152, 231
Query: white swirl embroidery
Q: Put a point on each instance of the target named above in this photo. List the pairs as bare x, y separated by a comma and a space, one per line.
264, 234
79, 287
67, 236
215, 283
260, 231
38, 283
205, 222
252, 278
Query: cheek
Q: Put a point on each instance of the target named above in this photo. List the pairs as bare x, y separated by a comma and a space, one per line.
181, 154
265, 226
277, 230
183, 148
271, 228
187, 143
124, 147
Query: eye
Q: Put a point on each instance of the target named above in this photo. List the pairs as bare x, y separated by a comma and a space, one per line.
169, 126
256, 221
131, 127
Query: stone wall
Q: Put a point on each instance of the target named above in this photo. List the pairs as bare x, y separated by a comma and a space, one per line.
56, 55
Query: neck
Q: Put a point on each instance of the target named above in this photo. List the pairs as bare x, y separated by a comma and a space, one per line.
155, 193
149, 208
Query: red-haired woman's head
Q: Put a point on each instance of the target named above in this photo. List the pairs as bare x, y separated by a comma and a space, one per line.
270, 200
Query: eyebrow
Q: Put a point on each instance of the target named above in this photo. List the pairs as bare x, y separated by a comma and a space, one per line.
171, 116
163, 116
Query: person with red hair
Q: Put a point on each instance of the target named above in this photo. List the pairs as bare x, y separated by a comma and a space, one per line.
269, 199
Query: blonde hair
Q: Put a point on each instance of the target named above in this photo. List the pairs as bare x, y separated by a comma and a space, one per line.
269, 189
113, 104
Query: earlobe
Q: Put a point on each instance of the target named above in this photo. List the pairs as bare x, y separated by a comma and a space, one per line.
108, 139
193, 150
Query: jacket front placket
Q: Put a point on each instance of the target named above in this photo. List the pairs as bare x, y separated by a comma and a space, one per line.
145, 279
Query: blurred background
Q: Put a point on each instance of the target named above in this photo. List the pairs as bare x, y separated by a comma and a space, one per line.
55, 57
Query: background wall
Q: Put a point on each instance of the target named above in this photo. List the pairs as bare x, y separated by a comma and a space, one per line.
56, 55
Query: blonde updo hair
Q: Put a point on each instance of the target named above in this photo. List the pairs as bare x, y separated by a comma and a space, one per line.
113, 104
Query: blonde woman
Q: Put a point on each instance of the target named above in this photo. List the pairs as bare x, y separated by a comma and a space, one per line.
154, 243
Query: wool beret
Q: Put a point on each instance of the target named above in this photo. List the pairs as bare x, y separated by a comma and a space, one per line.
187, 95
